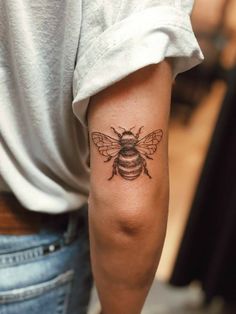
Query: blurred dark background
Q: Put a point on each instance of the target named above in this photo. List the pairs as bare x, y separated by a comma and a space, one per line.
206, 253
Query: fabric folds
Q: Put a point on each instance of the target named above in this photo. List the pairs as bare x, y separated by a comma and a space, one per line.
144, 38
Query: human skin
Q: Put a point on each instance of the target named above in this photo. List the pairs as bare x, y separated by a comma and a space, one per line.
127, 218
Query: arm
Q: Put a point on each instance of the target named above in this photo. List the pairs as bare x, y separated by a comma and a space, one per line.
128, 217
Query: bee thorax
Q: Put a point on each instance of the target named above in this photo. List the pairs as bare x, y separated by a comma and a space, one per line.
128, 139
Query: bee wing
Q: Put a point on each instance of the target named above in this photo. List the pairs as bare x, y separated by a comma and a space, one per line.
148, 144
106, 145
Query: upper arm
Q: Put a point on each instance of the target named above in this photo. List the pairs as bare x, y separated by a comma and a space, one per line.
140, 100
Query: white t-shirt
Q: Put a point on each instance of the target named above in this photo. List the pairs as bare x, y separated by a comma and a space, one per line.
54, 55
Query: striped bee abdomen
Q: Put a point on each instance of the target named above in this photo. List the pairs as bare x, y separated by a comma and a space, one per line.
129, 163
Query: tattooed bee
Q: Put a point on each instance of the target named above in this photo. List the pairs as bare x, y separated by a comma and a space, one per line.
128, 151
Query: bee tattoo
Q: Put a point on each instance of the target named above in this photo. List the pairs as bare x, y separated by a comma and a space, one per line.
129, 152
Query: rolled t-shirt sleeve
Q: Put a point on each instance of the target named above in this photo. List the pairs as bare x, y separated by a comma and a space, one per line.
118, 39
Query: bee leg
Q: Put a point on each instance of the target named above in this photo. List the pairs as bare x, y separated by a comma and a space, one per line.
117, 133
148, 157
145, 170
108, 159
114, 166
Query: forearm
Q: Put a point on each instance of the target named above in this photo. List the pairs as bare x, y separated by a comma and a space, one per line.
125, 261
129, 193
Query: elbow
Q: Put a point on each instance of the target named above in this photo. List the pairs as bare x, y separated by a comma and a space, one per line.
131, 217
128, 230
141, 222
132, 222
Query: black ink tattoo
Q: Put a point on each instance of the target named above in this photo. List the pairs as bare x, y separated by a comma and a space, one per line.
128, 151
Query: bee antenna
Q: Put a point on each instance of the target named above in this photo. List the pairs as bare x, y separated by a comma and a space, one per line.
132, 128
139, 132
122, 128
117, 133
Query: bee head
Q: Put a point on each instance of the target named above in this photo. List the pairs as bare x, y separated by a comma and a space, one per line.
127, 137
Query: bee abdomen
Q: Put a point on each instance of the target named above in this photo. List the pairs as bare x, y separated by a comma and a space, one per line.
130, 167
